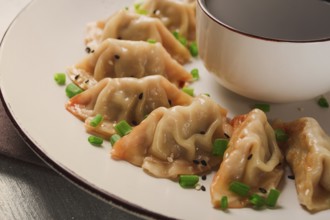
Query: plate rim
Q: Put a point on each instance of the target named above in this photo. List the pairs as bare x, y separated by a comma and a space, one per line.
88, 187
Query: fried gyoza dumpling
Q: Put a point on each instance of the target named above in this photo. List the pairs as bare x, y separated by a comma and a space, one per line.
126, 25
170, 141
308, 154
119, 58
175, 15
127, 99
252, 157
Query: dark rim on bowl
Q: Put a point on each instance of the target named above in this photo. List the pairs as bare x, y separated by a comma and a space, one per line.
202, 5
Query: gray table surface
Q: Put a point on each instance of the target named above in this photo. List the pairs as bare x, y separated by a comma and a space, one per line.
29, 189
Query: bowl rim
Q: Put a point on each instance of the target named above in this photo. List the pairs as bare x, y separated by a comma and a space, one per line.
202, 6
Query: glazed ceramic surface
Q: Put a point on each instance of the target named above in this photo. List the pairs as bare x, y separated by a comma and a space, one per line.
46, 38
260, 68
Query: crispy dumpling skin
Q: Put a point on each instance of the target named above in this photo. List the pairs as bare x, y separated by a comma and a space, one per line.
126, 25
175, 15
119, 58
307, 151
170, 141
252, 157
127, 99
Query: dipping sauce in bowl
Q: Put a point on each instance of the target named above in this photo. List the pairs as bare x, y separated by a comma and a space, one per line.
270, 50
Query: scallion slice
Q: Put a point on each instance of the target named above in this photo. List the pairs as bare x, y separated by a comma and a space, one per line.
72, 90
224, 203
188, 181
193, 49
272, 197
97, 141
188, 90
180, 38
280, 135
262, 106
123, 128
60, 78
239, 188
257, 200
195, 74
219, 146
138, 9
323, 102
96, 120
114, 138
151, 41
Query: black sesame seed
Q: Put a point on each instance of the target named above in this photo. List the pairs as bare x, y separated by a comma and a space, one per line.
250, 156
203, 162
134, 123
76, 77
292, 177
117, 57
262, 190
141, 96
92, 51
87, 80
119, 38
170, 101
226, 135
203, 188
196, 162
202, 132
204, 177
88, 50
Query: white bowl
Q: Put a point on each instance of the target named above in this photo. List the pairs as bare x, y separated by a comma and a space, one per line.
262, 68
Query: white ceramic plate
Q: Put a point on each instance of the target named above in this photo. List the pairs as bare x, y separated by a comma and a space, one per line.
46, 38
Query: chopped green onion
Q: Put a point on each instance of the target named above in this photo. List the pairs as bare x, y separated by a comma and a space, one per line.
96, 120
123, 128
207, 94
60, 78
138, 10
323, 102
263, 106
114, 138
72, 90
195, 74
280, 135
180, 38
257, 200
239, 188
188, 90
188, 181
224, 203
272, 197
97, 141
151, 41
219, 147
193, 49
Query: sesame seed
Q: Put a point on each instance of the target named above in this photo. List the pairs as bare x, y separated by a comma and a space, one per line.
262, 190
226, 135
88, 50
203, 188
196, 162
202, 132
204, 177
87, 80
250, 156
141, 96
170, 102
76, 77
292, 177
117, 57
203, 162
